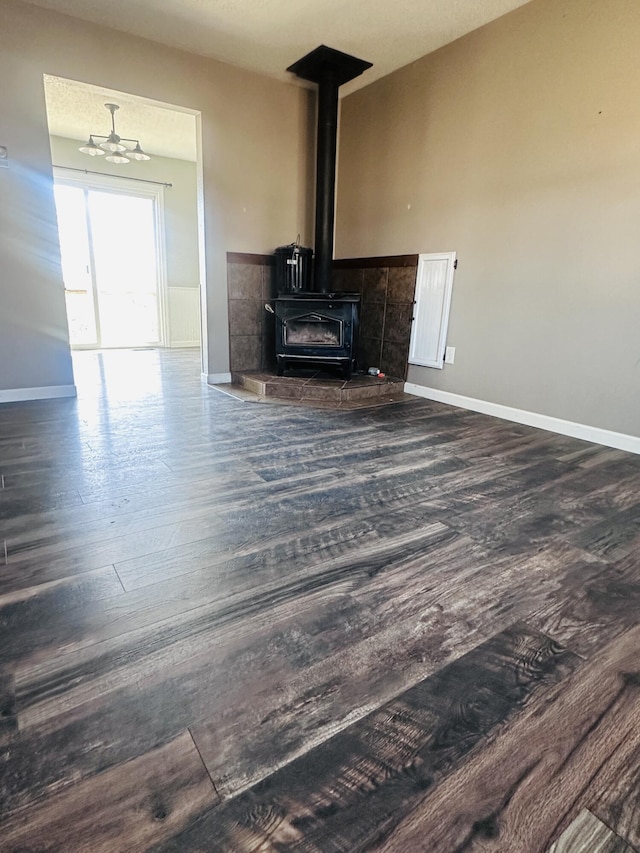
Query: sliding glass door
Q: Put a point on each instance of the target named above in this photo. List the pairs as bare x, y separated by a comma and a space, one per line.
76, 265
110, 265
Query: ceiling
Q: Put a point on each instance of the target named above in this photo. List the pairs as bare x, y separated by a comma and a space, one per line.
75, 110
269, 35
262, 35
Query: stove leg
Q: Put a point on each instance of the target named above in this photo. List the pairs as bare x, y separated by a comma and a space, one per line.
280, 366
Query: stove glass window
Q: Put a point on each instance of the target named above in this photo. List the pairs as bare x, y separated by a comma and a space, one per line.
313, 331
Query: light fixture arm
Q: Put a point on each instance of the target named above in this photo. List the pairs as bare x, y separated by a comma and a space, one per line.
121, 138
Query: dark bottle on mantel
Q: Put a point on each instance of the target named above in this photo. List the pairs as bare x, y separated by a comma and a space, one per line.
293, 269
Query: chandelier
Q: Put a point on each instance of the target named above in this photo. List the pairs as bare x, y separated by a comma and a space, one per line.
112, 146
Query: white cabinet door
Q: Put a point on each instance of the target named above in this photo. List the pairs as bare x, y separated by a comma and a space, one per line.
434, 284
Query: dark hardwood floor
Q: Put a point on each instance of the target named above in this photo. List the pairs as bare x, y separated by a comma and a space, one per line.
228, 626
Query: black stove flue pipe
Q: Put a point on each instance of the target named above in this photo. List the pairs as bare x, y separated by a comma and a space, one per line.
330, 69
325, 182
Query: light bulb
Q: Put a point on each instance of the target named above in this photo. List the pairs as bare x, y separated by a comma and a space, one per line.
117, 157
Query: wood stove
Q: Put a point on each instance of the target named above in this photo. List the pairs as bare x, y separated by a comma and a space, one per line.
320, 327
317, 329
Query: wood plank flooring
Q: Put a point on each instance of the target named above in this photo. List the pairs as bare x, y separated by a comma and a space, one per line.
590, 835
237, 627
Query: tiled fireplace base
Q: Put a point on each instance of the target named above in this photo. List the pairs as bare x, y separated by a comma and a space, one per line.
320, 387
387, 285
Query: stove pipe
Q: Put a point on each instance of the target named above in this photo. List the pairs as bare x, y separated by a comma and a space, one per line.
328, 68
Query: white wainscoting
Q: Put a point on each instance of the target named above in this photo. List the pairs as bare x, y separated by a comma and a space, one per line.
184, 317
619, 440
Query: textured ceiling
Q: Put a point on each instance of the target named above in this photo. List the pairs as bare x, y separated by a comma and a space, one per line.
76, 109
268, 35
263, 35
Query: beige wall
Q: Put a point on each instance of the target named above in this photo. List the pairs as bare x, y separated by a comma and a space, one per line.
254, 162
518, 147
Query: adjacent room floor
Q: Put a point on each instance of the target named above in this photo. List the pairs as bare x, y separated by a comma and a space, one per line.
238, 627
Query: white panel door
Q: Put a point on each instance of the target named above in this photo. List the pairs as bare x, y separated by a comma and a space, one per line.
434, 285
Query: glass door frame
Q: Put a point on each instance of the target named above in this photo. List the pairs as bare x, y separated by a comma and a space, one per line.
122, 186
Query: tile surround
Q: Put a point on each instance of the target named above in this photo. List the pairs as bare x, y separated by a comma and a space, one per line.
251, 327
244, 281
387, 308
402, 284
374, 286
245, 352
370, 352
245, 316
348, 279
394, 357
372, 319
397, 320
387, 286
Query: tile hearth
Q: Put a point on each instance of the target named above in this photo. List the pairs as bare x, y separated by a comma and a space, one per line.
320, 387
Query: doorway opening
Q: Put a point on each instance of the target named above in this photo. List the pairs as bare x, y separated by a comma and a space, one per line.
112, 264
130, 228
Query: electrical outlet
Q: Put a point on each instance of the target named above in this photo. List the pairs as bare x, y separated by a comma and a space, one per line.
4, 157
450, 355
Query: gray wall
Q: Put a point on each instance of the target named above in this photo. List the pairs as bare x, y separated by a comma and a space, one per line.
254, 163
517, 146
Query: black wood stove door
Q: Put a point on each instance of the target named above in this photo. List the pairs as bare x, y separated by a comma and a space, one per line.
317, 330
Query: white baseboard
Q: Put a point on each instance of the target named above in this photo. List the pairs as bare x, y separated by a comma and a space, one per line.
619, 440
183, 344
216, 378
48, 392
